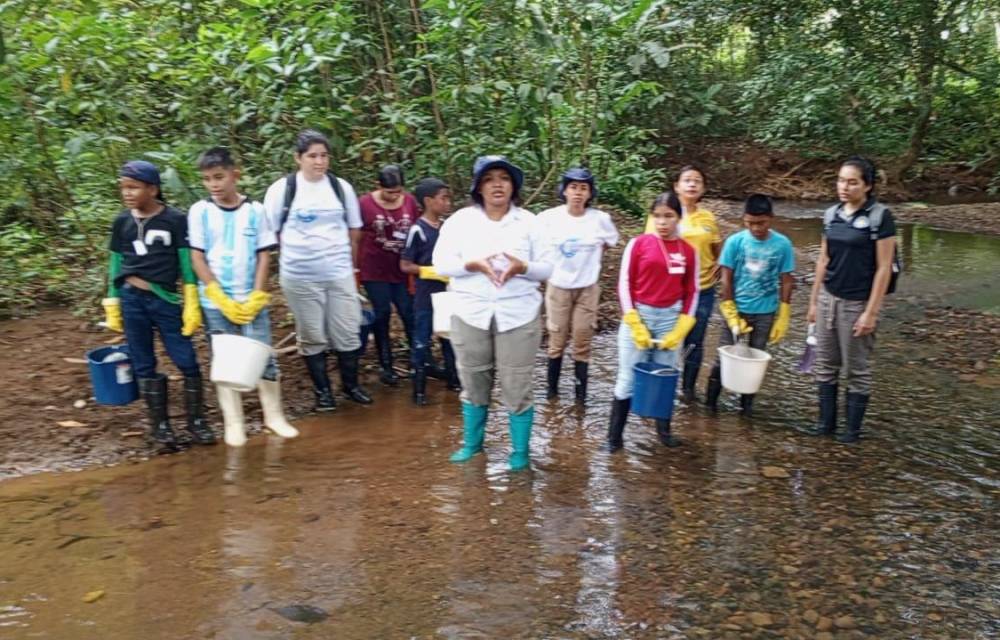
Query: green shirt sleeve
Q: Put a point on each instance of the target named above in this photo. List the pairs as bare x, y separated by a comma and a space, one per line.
114, 269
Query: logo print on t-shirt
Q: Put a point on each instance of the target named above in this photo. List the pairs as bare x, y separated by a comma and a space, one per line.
570, 247
305, 216
157, 234
860, 222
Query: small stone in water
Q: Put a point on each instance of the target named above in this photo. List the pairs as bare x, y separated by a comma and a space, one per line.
79, 404
810, 616
824, 624
760, 619
774, 472
93, 596
845, 622
305, 613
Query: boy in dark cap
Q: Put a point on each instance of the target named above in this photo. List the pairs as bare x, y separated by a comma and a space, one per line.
756, 289
149, 253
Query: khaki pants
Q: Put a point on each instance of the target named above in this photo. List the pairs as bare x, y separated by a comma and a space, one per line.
327, 314
571, 312
511, 353
838, 348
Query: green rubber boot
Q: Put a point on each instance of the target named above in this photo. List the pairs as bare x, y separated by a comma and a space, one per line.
474, 428
520, 438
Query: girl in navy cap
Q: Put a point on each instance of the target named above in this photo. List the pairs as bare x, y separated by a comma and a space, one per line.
578, 234
495, 255
149, 253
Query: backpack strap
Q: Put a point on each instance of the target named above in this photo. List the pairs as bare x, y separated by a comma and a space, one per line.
829, 215
290, 186
335, 183
875, 215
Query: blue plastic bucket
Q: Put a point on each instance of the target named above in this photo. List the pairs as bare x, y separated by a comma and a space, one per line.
654, 389
114, 382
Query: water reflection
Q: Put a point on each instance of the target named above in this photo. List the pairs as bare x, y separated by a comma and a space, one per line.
363, 520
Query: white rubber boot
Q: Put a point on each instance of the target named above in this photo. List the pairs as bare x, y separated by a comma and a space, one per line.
231, 404
274, 414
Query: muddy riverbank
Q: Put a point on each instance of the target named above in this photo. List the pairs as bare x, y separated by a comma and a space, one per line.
44, 373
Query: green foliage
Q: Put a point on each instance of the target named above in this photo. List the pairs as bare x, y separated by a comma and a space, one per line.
86, 84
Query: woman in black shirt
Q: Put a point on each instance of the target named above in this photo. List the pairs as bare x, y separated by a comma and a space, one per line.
852, 277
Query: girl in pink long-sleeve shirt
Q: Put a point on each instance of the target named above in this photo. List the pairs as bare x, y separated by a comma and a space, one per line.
658, 290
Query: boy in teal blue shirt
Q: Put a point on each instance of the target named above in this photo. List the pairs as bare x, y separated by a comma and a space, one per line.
756, 288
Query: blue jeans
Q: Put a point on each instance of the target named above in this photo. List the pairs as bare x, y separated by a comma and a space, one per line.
259, 329
423, 336
145, 312
692, 363
659, 321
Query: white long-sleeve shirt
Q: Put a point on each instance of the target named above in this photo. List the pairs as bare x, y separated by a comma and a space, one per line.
468, 235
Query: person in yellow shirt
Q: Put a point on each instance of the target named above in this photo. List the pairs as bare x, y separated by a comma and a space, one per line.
698, 228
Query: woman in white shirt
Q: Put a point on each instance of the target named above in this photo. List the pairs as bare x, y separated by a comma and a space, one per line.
578, 234
494, 253
318, 221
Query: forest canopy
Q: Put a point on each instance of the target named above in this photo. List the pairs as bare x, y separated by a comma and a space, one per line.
87, 84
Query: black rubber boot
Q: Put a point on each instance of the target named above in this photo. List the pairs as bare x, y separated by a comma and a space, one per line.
663, 433
433, 371
713, 390
194, 403
348, 363
388, 376
555, 369
746, 405
154, 392
316, 365
827, 424
420, 375
581, 376
688, 378
454, 384
616, 428
856, 406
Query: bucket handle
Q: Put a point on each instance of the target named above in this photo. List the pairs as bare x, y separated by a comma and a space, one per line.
681, 357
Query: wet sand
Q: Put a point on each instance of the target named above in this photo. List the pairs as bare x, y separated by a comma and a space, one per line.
364, 520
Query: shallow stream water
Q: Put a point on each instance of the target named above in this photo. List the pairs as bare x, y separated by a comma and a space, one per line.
362, 529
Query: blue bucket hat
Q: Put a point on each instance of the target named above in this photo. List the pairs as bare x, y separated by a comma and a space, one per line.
140, 170
577, 174
484, 164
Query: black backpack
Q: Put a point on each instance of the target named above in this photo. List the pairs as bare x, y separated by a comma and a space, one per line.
291, 185
875, 215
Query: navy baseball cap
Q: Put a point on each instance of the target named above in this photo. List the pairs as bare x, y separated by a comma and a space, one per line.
577, 174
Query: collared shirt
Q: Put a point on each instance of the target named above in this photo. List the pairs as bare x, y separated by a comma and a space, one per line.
577, 244
230, 239
469, 235
850, 272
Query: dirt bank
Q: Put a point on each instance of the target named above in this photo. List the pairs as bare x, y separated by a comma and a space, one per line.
44, 372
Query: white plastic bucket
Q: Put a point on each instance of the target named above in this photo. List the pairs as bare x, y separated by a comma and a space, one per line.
238, 362
444, 308
743, 368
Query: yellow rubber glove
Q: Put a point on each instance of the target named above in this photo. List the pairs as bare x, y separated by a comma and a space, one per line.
113, 314
780, 327
732, 316
191, 313
680, 331
430, 273
255, 302
233, 310
640, 334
